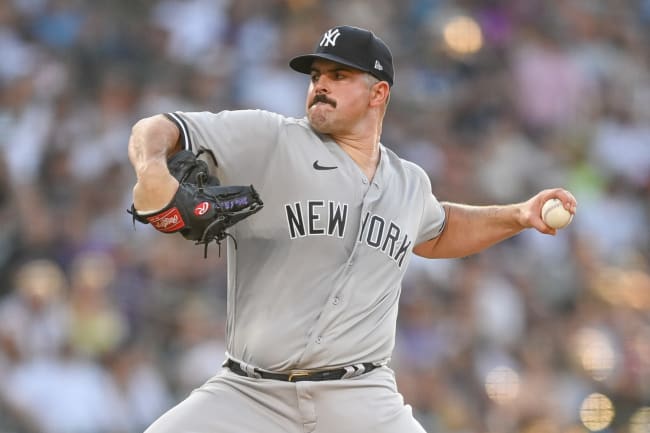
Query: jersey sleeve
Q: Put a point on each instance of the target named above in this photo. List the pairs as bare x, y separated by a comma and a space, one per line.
433, 213
238, 142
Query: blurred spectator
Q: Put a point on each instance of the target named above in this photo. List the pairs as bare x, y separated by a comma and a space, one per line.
97, 327
550, 90
201, 344
34, 316
66, 394
140, 383
207, 23
8, 226
512, 164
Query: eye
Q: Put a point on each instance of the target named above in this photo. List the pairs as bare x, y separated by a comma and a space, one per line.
339, 76
314, 78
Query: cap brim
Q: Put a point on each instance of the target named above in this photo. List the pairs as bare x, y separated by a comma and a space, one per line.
303, 63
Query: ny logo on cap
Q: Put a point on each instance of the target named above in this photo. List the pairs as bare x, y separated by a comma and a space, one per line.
330, 37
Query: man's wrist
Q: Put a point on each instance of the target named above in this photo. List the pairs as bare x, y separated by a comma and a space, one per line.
151, 194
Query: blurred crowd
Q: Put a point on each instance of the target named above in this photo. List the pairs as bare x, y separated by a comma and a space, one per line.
104, 326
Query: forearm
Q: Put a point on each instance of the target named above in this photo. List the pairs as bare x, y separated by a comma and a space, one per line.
152, 141
471, 229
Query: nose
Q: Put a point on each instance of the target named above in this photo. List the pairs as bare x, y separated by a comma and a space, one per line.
321, 85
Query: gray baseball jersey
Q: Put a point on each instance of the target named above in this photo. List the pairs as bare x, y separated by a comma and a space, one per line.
315, 279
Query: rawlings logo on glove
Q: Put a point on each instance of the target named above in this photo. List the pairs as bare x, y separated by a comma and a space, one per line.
201, 209
167, 222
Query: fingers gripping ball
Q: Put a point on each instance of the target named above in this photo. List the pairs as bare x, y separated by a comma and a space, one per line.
202, 209
555, 215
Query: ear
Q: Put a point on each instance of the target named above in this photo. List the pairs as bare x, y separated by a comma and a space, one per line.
379, 93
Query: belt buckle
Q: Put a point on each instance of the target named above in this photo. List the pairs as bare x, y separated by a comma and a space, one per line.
297, 373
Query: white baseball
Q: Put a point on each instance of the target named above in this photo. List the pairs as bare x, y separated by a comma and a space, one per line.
555, 215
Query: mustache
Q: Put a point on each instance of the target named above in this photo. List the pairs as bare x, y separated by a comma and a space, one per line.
322, 98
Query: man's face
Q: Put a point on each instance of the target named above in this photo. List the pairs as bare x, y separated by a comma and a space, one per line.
338, 97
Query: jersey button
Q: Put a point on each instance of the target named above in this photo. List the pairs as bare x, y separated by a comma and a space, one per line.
364, 181
336, 300
319, 340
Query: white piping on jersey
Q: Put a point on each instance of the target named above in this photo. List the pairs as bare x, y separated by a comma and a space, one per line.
181, 125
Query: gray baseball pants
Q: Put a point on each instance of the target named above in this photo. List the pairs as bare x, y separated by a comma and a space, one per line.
229, 403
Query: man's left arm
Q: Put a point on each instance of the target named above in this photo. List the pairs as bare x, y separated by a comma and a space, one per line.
471, 229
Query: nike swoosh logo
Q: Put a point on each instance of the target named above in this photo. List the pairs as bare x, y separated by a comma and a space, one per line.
317, 166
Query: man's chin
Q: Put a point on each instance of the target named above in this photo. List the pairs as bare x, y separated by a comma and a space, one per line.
319, 122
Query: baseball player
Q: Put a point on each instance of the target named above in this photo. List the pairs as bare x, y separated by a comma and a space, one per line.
314, 279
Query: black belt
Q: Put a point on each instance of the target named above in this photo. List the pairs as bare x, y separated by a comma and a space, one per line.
301, 375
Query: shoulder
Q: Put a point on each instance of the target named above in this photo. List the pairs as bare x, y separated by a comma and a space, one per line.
285, 121
251, 122
409, 168
249, 115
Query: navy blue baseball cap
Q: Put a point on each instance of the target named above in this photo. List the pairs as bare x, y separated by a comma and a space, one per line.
351, 46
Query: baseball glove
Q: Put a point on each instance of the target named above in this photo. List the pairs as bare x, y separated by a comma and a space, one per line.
202, 209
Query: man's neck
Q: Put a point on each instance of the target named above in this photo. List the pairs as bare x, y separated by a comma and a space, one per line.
364, 152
